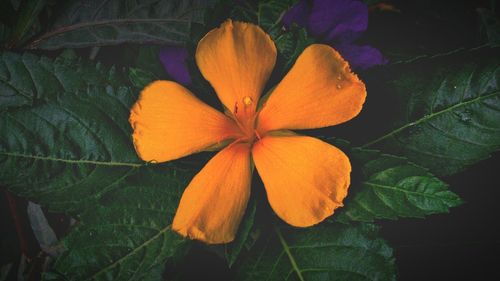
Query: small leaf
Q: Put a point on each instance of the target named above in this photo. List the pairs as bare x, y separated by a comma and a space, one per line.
392, 187
267, 14
97, 23
140, 78
291, 44
325, 252
450, 116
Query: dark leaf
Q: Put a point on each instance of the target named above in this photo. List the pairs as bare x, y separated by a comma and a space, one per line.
325, 252
392, 187
65, 137
97, 23
128, 236
450, 116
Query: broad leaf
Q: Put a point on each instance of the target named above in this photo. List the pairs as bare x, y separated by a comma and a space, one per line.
392, 187
96, 23
65, 137
450, 115
326, 252
129, 236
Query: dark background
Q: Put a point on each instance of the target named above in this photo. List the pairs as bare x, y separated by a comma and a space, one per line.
461, 245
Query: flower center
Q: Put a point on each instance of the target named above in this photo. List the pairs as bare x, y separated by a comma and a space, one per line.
245, 118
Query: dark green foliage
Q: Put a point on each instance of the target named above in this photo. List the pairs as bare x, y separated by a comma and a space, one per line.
326, 252
451, 109
96, 23
129, 235
392, 187
64, 130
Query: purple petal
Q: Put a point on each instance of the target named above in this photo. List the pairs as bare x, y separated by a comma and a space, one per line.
298, 14
174, 62
361, 57
336, 18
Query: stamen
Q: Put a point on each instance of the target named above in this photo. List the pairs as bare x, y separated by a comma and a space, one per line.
257, 134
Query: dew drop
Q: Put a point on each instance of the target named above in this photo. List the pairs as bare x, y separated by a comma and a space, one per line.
464, 116
339, 77
247, 100
339, 86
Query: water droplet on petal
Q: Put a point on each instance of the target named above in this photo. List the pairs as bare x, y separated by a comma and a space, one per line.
339, 77
247, 100
339, 86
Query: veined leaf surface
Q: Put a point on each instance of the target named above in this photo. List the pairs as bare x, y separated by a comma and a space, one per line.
325, 252
451, 110
392, 187
97, 23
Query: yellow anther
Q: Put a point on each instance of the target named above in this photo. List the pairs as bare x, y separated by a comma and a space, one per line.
247, 100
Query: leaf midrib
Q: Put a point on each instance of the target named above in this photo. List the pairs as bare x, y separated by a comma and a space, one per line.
403, 190
430, 116
286, 248
83, 25
71, 161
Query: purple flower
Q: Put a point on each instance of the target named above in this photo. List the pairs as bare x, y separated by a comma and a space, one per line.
174, 62
338, 23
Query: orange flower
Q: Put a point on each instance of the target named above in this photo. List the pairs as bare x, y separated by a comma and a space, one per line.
305, 178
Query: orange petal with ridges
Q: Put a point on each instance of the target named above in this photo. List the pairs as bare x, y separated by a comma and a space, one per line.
305, 179
237, 59
169, 122
213, 204
318, 91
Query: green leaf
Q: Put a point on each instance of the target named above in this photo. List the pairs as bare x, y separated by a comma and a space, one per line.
392, 187
65, 137
27, 17
140, 78
291, 44
129, 236
267, 14
244, 235
451, 109
325, 252
97, 23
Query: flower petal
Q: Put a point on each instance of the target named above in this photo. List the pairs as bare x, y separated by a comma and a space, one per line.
174, 59
237, 59
361, 57
169, 122
337, 18
213, 204
305, 179
319, 91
